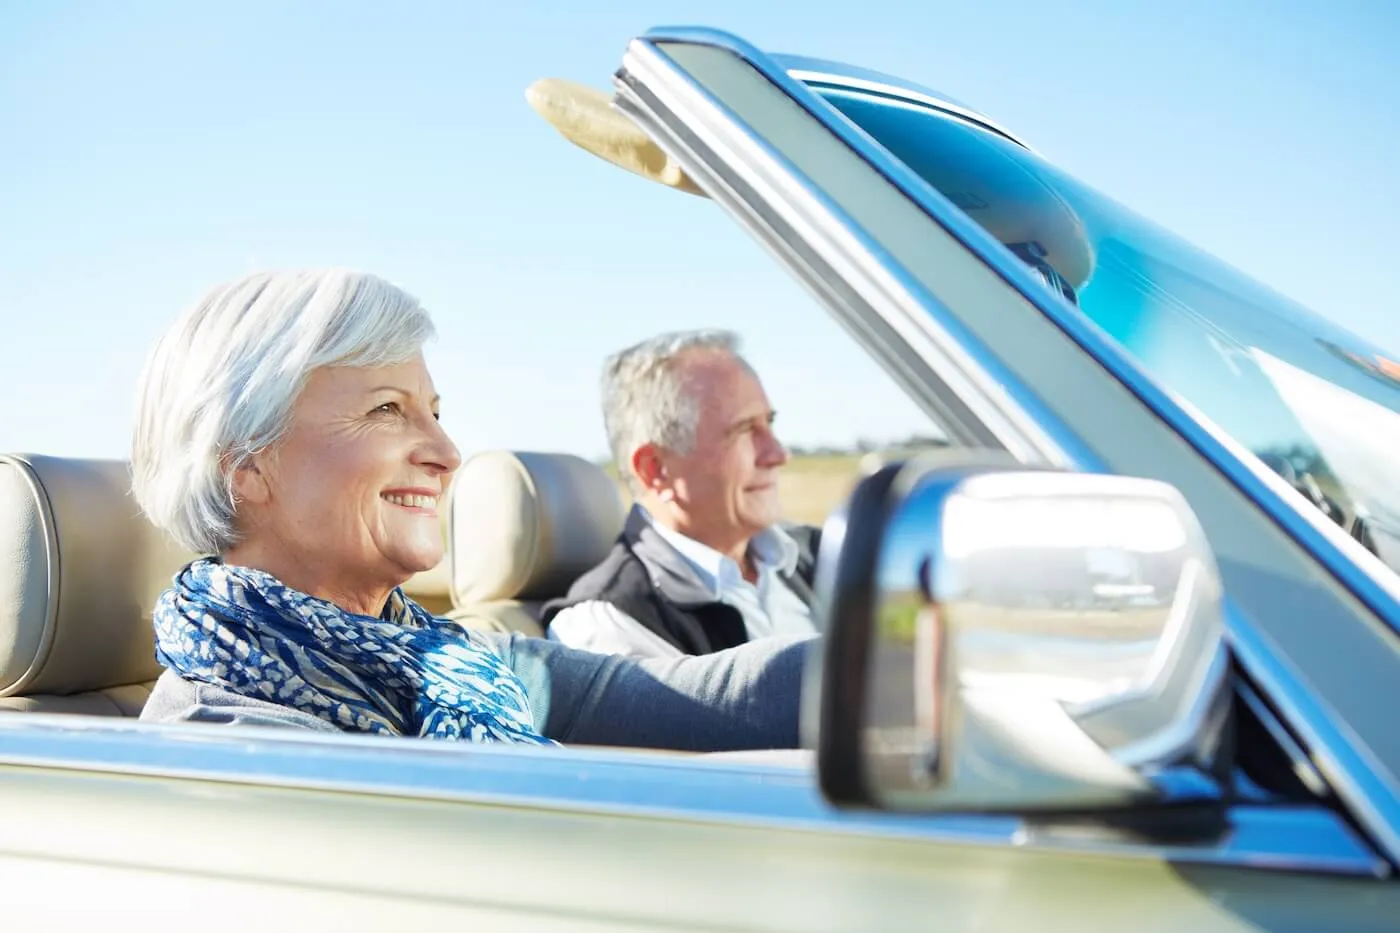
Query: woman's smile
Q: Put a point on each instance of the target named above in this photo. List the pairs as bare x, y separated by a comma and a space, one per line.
416, 500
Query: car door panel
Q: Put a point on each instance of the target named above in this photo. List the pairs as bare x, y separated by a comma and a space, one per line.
310, 859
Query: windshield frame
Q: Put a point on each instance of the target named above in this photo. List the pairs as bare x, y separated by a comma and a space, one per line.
1318, 698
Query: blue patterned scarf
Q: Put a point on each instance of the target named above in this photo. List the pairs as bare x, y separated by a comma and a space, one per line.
405, 673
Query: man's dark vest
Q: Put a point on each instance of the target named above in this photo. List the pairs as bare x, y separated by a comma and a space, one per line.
684, 616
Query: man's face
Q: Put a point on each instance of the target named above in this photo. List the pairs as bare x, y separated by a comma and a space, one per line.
725, 488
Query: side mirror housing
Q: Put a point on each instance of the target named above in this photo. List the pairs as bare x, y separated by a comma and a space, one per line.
1012, 639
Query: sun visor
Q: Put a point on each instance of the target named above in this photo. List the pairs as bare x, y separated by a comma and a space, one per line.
586, 118
1002, 195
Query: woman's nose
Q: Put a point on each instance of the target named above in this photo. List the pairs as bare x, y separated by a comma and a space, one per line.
438, 451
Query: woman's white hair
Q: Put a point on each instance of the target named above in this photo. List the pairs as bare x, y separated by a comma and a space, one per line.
645, 396
219, 386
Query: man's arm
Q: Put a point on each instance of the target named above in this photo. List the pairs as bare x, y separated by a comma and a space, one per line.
741, 698
601, 627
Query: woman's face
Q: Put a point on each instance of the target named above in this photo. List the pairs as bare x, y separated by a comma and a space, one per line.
345, 506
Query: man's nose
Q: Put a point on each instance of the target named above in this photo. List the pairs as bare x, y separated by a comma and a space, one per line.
772, 453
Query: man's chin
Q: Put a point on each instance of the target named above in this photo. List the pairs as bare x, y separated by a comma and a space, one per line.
764, 514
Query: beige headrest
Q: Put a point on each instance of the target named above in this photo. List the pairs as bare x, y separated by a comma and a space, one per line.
525, 525
80, 569
586, 118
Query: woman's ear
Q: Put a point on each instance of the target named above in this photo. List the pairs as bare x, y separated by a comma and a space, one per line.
250, 481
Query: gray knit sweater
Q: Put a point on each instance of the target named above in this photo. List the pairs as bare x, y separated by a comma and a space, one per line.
743, 698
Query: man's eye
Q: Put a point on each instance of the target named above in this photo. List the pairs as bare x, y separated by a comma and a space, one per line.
388, 408
437, 416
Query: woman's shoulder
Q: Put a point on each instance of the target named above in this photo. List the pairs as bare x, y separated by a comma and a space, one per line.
176, 699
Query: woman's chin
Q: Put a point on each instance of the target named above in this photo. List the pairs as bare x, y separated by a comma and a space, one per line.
411, 562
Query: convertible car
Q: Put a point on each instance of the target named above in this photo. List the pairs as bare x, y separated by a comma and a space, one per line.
1123, 654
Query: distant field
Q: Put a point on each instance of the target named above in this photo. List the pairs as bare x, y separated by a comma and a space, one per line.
810, 487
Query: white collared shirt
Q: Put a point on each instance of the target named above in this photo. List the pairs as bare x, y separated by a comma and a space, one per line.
768, 608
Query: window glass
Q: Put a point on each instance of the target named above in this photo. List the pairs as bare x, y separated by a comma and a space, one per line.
1314, 402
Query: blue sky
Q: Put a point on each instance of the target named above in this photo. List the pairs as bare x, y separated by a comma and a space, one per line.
152, 149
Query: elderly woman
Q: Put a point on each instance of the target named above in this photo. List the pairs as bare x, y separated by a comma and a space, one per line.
288, 427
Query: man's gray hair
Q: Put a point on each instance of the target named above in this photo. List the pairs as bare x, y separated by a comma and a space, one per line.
219, 386
645, 397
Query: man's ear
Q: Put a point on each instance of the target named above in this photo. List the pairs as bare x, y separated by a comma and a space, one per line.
649, 468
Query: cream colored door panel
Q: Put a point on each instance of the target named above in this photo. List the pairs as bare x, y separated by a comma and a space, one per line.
155, 854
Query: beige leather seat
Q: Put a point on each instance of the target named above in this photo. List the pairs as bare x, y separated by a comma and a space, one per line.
80, 569
523, 527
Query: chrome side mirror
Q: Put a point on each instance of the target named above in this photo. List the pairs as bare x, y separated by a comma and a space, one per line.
1017, 640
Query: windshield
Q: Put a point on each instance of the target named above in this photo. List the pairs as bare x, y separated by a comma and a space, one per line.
1316, 403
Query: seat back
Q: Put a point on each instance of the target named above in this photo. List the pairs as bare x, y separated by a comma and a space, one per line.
523, 527
80, 569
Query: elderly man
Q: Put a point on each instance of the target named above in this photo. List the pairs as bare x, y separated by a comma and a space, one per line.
703, 563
